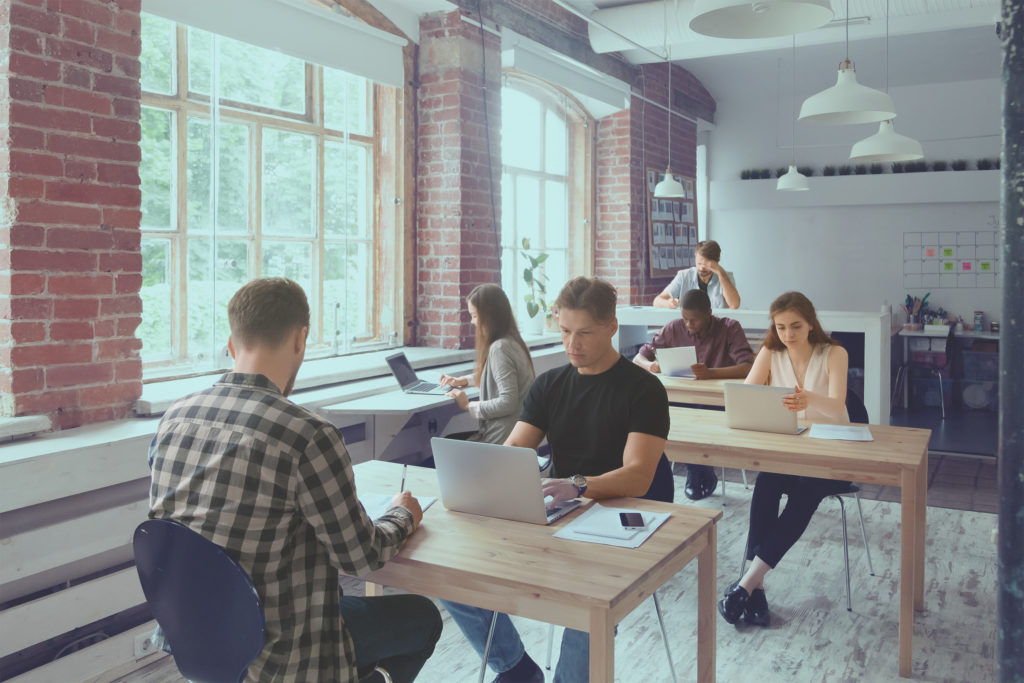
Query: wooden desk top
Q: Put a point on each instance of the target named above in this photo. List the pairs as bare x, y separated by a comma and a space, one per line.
708, 392
696, 435
500, 564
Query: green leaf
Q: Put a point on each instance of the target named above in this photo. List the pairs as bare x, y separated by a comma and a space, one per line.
532, 308
528, 275
533, 262
541, 288
541, 258
526, 243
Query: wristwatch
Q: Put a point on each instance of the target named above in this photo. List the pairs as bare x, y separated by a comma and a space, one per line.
580, 482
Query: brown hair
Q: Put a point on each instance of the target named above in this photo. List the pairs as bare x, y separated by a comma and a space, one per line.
494, 321
590, 294
266, 310
802, 306
709, 249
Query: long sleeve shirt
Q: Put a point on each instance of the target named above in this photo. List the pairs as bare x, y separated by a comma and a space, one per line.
273, 484
504, 383
722, 344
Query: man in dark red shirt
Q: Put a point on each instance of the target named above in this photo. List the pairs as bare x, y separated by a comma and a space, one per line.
722, 353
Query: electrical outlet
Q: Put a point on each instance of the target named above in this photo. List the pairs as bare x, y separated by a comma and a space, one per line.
144, 646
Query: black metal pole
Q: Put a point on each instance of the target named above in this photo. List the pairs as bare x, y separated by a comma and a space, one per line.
1011, 351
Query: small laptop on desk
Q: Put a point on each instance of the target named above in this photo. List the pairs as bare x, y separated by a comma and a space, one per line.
406, 376
759, 408
676, 362
493, 481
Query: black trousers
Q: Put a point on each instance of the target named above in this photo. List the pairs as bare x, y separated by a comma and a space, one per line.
770, 534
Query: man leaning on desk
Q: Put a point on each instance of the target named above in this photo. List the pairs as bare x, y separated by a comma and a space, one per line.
273, 484
607, 422
722, 353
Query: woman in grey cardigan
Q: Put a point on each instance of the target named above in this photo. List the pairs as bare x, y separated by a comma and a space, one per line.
504, 370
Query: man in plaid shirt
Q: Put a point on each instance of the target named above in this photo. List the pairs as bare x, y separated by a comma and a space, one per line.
273, 484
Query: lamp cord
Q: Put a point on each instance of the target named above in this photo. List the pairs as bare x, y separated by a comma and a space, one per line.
487, 132
668, 58
886, 47
794, 102
847, 30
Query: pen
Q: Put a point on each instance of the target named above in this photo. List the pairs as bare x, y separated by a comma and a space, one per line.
404, 468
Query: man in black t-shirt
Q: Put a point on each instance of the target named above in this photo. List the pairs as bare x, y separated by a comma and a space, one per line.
606, 420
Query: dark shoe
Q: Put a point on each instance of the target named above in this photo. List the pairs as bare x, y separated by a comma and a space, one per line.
756, 613
732, 605
700, 483
526, 671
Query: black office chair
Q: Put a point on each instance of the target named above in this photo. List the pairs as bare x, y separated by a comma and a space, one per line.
202, 599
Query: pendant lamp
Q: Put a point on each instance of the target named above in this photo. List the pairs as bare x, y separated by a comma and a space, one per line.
793, 180
847, 102
669, 187
886, 144
758, 18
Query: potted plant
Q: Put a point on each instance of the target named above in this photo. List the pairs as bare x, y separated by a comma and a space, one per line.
860, 169
806, 170
984, 164
897, 167
938, 165
535, 279
959, 165
780, 171
745, 174
828, 170
766, 173
876, 169
845, 169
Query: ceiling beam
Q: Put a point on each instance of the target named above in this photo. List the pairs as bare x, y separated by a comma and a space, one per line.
369, 14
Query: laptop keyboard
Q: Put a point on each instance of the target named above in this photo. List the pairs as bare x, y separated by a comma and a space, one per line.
423, 385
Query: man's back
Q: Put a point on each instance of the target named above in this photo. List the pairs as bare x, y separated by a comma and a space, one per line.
273, 484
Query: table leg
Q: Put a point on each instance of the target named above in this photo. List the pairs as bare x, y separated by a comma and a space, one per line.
920, 531
706, 594
602, 647
908, 570
373, 590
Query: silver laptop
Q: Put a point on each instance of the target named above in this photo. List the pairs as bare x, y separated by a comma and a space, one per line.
759, 408
676, 361
406, 376
493, 481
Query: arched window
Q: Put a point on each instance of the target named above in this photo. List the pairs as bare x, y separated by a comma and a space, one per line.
546, 190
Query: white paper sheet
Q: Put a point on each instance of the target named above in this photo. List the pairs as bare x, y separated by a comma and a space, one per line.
601, 525
840, 432
377, 504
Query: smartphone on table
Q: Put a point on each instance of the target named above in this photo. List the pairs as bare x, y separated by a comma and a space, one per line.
631, 520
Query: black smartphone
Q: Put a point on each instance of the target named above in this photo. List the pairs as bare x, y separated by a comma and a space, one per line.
631, 520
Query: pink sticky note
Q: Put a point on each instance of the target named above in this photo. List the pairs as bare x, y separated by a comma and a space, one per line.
966, 265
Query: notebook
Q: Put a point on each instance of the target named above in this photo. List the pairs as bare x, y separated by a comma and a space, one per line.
407, 379
493, 481
676, 362
759, 408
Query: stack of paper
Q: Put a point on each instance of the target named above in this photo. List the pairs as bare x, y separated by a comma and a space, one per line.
601, 524
840, 432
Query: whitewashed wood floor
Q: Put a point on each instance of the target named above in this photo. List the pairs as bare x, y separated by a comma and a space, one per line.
812, 637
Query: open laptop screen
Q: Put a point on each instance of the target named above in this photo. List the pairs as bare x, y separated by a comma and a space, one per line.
401, 369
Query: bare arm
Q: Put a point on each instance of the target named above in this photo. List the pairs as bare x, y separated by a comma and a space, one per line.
639, 462
646, 364
665, 300
526, 435
834, 404
729, 291
761, 368
702, 371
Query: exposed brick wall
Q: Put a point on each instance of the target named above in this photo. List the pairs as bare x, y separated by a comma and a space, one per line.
70, 268
456, 245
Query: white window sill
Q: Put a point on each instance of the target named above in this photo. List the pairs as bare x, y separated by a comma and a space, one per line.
12, 428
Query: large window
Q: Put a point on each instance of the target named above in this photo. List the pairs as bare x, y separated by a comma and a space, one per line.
282, 185
545, 143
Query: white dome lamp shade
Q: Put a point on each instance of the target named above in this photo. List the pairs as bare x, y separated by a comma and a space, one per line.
886, 145
847, 102
669, 187
758, 18
793, 180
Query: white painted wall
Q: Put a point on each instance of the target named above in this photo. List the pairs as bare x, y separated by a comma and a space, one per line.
847, 257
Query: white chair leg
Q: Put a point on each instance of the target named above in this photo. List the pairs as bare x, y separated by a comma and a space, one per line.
551, 642
864, 534
664, 637
723, 482
846, 555
487, 647
745, 485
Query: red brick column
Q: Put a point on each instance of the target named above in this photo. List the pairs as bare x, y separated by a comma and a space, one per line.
456, 239
70, 266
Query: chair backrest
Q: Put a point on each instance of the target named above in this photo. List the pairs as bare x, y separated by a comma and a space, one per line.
203, 600
855, 407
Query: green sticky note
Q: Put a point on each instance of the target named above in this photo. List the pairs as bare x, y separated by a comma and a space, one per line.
948, 266
985, 265
947, 252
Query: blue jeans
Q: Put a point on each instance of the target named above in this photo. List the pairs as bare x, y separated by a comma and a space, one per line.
396, 631
507, 648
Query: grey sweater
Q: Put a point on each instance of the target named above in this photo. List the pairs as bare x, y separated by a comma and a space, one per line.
504, 383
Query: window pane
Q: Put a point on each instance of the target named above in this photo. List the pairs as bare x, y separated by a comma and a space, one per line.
347, 283
155, 170
520, 118
158, 54
247, 73
289, 165
556, 228
527, 210
156, 329
346, 101
555, 150
233, 173
557, 272
212, 281
346, 190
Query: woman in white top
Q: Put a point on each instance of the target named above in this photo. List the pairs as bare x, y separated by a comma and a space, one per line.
796, 353
707, 275
504, 369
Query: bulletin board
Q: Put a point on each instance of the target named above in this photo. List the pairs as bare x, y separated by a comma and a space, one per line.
962, 259
671, 228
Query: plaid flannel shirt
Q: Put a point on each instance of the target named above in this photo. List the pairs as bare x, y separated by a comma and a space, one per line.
273, 484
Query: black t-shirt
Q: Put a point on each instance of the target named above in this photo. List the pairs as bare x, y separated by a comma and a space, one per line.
587, 418
703, 285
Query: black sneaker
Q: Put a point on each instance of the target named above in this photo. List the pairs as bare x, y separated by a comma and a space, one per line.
731, 607
526, 671
756, 613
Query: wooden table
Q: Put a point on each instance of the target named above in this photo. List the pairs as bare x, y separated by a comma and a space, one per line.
518, 568
701, 392
897, 457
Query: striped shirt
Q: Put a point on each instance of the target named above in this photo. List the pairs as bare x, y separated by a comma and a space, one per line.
273, 484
